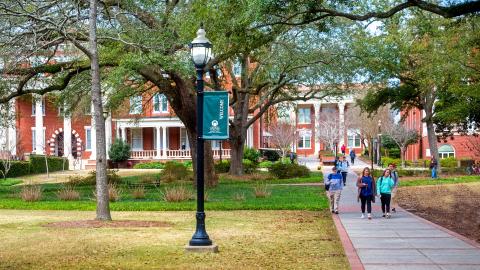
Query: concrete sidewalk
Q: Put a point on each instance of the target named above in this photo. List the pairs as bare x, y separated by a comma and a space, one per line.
403, 242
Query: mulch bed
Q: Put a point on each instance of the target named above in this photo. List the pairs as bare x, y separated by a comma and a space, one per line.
107, 224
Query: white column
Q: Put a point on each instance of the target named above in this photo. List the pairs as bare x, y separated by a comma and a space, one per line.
341, 109
108, 132
157, 142
67, 136
39, 139
12, 132
93, 156
316, 114
117, 133
124, 134
164, 141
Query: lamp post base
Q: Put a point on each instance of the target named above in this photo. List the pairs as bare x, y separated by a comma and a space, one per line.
202, 249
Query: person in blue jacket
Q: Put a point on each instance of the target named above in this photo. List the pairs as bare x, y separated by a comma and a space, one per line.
366, 191
385, 185
342, 167
335, 186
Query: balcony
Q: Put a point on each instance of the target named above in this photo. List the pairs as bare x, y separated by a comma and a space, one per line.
172, 154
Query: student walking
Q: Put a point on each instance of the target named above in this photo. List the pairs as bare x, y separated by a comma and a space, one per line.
366, 191
384, 188
334, 183
433, 167
342, 166
352, 156
343, 148
396, 180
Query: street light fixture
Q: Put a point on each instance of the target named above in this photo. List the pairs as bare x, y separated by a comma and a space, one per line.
201, 53
379, 143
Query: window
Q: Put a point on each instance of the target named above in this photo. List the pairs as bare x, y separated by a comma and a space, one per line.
353, 139
34, 108
304, 116
160, 103
136, 105
446, 151
137, 138
88, 138
184, 144
216, 144
305, 141
34, 140
237, 68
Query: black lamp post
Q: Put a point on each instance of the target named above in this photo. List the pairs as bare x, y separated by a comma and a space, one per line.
379, 143
201, 53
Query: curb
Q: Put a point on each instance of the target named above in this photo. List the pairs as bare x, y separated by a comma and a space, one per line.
350, 251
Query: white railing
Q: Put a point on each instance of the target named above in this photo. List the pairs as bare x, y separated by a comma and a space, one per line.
174, 154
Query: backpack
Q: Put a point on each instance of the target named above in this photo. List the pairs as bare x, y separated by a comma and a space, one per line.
327, 187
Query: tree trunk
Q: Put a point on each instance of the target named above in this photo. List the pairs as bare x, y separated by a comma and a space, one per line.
237, 143
103, 206
402, 156
211, 179
431, 135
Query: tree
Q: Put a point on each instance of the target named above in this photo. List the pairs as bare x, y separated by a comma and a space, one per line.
328, 129
403, 137
283, 136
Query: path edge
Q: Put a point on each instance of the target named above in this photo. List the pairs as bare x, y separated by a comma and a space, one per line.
350, 251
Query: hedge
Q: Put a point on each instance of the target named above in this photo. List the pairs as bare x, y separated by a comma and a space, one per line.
18, 168
288, 170
37, 164
149, 165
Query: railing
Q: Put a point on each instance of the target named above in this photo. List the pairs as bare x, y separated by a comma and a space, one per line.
174, 154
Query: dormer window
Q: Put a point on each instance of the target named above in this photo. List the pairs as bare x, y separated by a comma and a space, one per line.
34, 107
160, 103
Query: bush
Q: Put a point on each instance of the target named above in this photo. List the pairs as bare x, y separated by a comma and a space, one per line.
249, 166
177, 194
449, 162
222, 166
288, 170
265, 164
151, 179
114, 192
38, 165
68, 193
271, 155
239, 196
251, 154
31, 193
174, 171
138, 192
119, 151
91, 178
389, 160
261, 191
394, 153
188, 164
149, 165
17, 168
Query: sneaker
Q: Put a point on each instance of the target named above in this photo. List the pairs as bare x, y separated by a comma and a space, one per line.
369, 216
383, 215
363, 216
394, 210
388, 215
336, 212
333, 212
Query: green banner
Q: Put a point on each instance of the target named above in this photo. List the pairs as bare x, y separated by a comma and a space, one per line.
215, 115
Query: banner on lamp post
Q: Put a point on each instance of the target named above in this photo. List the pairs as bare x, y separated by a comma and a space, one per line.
215, 115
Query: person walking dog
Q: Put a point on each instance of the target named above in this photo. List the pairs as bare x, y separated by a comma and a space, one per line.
384, 188
334, 183
366, 191
396, 180
342, 166
352, 156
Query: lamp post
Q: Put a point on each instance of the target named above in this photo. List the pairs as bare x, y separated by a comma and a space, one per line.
379, 143
201, 52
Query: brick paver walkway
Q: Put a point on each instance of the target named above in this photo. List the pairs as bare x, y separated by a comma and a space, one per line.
403, 242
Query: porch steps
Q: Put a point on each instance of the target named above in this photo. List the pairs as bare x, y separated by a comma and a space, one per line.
91, 165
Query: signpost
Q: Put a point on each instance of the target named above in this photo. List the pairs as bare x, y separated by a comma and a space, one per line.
215, 115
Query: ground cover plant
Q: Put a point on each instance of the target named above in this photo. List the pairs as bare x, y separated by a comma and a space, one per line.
230, 194
302, 240
440, 181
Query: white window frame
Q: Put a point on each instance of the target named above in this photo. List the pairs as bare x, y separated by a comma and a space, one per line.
160, 98
135, 105
34, 140
446, 154
34, 106
184, 139
87, 140
132, 139
303, 139
354, 135
303, 121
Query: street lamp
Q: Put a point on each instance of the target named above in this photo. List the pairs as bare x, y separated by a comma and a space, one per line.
379, 143
201, 52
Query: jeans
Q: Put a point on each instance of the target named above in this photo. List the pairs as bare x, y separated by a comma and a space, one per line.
334, 198
385, 199
434, 173
344, 175
366, 200
352, 159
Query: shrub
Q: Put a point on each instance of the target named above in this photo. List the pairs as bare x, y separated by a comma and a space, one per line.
138, 192
261, 191
249, 166
149, 165
38, 165
271, 155
389, 160
222, 166
449, 162
288, 170
119, 151
177, 194
188, 164
239, 196
91, 178
68, 193
265, 164
31, 193
394, 153
114, 192
150, 179
251, 154
174, 171
17, 168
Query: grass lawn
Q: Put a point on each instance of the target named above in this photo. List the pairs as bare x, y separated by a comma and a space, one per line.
9, 182
440, 181
246, 239
223, 197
